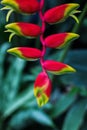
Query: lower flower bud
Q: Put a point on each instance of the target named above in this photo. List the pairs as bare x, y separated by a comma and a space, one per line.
42, 88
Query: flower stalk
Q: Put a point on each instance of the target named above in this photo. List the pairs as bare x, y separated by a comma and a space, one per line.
42, 34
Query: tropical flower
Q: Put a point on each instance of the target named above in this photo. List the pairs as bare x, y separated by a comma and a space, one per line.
43, 85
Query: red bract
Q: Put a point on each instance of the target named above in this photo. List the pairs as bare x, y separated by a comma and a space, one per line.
42, 88
29, 29
23, 29
57, 67
60, 40
26, 53
22, 6
28, 6
60, 13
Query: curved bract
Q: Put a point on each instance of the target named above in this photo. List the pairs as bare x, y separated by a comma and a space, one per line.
57, 67
21, 6
61, 13
30, 54
25, 29
60, 40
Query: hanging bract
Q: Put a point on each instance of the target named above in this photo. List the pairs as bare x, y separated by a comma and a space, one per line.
61, 13
24, 29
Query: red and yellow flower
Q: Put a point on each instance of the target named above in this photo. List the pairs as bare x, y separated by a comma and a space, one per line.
59, 41
42, 88
57, 67
22, 6
25, 29
30, 54
61, 13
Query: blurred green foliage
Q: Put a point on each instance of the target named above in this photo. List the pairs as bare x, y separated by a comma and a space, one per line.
67, 108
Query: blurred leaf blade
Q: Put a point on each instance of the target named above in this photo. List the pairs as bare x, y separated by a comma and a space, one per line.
75, 116
27, 95
64, 103
30, 116
42, 118
3, 49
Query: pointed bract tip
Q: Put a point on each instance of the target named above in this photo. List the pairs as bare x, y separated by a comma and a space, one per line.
4, 1
73, 35
42, 101
71, 69
74, 5
11, 25
12, 50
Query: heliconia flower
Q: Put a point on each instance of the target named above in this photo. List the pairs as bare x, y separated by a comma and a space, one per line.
60, 13
30, 54
21, 6
57, 67
25, 29
58, 41
42, 88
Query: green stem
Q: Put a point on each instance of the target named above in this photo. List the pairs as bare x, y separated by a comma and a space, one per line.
75, 30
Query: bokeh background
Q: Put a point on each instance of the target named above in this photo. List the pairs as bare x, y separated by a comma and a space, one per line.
67, 108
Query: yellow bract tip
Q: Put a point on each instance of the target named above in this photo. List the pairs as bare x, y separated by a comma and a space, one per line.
12, 50
71, 69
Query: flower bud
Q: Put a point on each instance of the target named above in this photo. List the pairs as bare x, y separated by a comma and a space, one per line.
42, 88
30, 54
59, 41
61, 13
57, 67
25, 29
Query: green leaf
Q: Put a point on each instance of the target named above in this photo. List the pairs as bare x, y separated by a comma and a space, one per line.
75, 116
30, 116
12, 80
19, 101
42, 118
64, 103
3, 49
